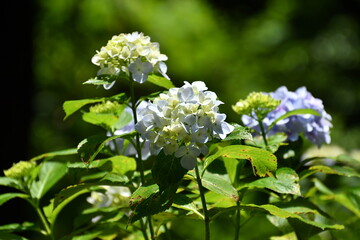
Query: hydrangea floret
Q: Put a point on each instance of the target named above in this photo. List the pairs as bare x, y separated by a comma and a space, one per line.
182, 121
133, 54
128, 149
315, 128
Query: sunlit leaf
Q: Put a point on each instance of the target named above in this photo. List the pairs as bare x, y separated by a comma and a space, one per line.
50, 173
8, 196
276, 211
65, 152
72, 106
160, 81
239, 133
337, 170
286, 181
220, 184
262, 161
11, 182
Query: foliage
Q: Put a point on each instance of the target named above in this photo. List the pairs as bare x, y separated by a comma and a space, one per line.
134, 182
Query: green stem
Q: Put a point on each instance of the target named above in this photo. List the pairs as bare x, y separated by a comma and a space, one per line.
237, 221
139, 161
263, 134
203, 202
43, 219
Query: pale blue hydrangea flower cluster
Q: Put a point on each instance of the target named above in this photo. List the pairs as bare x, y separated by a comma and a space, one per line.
129, 150
130, 53
182, 121
315, 128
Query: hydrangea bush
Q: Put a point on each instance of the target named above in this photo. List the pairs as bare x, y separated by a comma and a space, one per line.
171, 158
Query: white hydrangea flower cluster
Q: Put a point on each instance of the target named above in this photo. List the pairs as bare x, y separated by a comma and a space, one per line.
130, 53
182, 121
114, 196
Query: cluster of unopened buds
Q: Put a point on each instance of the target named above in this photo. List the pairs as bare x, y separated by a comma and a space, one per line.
182, 121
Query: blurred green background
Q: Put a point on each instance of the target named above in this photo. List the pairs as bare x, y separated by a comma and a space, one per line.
234, 46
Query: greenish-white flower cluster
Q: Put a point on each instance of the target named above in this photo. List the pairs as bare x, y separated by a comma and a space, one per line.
182, 121
133, 54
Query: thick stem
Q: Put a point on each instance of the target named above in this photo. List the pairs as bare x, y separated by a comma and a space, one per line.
139, 161
203, 202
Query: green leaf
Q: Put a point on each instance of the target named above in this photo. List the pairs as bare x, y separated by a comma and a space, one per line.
276, 211
167, 170
148, 200
11, 182
65, 152
239, 133
337, 170
90, 147
220, 184
16, 227
263, 162
4, 235
104, 120
68, 194
233, 168
72, 106
110, 120
50, 173
160, 81
286, 181
294, 112
183, 202
8, 196
121, 164
96, 81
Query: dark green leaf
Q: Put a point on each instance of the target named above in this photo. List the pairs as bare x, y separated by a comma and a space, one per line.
183, 202
90, 147
50, 173
148, 200
263, 162
167, 170
160, 81
4, 235
8, 196
286, 181
68, 194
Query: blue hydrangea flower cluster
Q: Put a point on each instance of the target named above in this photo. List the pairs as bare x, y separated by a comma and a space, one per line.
315, 128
